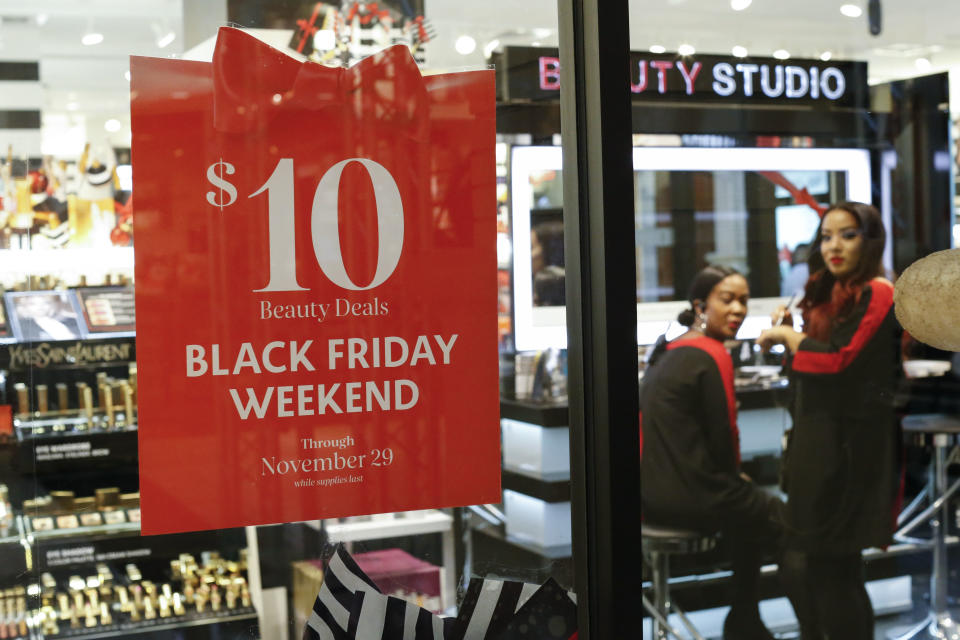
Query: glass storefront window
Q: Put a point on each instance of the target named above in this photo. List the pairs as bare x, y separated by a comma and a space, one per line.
136, 242
821, 409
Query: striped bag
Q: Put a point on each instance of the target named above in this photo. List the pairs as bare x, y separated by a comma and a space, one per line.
351, 607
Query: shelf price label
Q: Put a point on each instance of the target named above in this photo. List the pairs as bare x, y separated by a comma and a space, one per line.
315, 288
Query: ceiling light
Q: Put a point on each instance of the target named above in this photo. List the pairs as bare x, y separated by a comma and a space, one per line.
72, 106
740, 52
166, 39
112, 125
42, 19
686, 50
91, 38
657, 48
781, 54
535, 44
923, 64
324, 40
851, 10
126, 74
826, 55
740, 5
465, 45
490, 47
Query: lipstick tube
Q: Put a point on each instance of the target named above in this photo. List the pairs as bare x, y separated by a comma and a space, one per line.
127, 403
43, 397
178, 609
164, 606
23, 398
123, 598
88, 405
63, 601
106, 402
63, 403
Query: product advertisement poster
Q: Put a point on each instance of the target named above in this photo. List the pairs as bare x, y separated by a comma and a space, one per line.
316, 287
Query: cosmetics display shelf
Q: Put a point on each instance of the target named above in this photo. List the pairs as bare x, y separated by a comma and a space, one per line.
539, 413
549, 487
541, 563
237, 624
385, 526
98, 531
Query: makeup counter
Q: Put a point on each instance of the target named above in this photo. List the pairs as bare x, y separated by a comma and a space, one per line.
735, 178
72, 562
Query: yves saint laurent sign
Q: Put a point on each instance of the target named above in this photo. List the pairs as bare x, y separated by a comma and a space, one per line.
20, 357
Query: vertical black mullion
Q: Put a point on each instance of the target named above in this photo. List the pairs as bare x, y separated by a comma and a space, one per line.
601, 314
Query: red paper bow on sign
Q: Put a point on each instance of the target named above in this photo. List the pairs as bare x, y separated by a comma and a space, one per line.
254, 84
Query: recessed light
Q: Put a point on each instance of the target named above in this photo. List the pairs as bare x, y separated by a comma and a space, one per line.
657, 48
465, 45
781, 54
112, 125
740, 5
740, 52
490, 47
851, 10
42, 19
922, 64
686, 50
535, 44
826, 55
92, 38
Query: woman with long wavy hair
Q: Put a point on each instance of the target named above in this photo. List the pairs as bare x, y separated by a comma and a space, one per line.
840, 468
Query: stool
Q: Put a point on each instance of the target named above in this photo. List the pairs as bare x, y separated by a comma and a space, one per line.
659, 543
941, 432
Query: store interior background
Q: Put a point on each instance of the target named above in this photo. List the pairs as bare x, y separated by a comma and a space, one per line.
83, 96
83, 87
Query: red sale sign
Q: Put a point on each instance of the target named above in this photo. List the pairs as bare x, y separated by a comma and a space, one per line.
315, 287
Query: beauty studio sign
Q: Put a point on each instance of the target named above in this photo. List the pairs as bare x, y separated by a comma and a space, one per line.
534, 73
316, 288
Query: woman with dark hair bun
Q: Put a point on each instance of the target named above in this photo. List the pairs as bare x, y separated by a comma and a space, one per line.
840, 468
690, 445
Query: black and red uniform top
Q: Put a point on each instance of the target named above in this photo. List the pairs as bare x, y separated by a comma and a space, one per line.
841, 466
690, 456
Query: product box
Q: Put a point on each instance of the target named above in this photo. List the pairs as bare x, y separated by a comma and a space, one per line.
394, 571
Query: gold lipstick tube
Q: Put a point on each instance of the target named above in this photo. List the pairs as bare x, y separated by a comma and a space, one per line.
106, 403
88, 405
63, 402
43, 398
23, 398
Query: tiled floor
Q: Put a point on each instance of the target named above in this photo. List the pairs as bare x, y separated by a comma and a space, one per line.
904, 600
